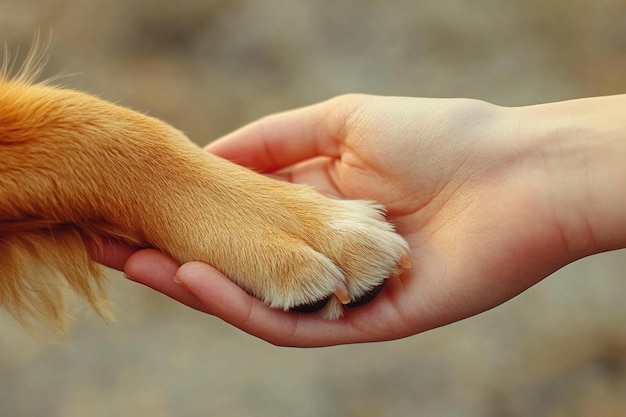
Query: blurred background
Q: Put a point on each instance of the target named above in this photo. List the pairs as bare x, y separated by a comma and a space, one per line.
210, 66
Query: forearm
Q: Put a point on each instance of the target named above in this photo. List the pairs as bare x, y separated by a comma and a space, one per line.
582, 146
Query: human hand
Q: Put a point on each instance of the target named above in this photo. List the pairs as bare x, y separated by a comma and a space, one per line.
472, 197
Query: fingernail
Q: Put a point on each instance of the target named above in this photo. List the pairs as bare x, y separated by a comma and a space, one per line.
178, 281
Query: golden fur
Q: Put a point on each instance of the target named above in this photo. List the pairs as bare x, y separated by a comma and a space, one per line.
74, 166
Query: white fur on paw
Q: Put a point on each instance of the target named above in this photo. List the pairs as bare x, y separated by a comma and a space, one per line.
342, 252
366, 249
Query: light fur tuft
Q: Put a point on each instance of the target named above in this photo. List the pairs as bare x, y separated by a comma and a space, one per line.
41, 269
31, 68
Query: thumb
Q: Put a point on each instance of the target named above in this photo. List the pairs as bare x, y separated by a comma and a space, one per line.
280, 140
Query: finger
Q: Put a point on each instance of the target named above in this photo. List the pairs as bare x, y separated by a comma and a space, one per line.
320, 173
109, 252
156, 270
222, 298
284, 139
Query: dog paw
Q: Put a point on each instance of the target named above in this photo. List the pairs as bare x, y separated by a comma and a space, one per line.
364, 250
296, 249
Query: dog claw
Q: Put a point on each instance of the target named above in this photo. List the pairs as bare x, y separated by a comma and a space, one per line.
405, 261
341, 293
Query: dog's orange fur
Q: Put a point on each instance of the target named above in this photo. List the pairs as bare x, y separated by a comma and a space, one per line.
72, 165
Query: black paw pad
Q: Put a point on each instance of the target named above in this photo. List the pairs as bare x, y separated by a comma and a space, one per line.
311, 307
368, 296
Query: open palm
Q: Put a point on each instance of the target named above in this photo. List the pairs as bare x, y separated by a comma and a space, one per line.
457, 185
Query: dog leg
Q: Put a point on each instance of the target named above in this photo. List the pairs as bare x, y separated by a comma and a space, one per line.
73, 162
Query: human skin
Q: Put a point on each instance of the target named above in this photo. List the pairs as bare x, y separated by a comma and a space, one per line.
490, 199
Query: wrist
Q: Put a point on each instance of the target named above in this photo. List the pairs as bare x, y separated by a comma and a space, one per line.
579, 150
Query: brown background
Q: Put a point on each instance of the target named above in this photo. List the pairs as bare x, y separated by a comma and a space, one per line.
209, 67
